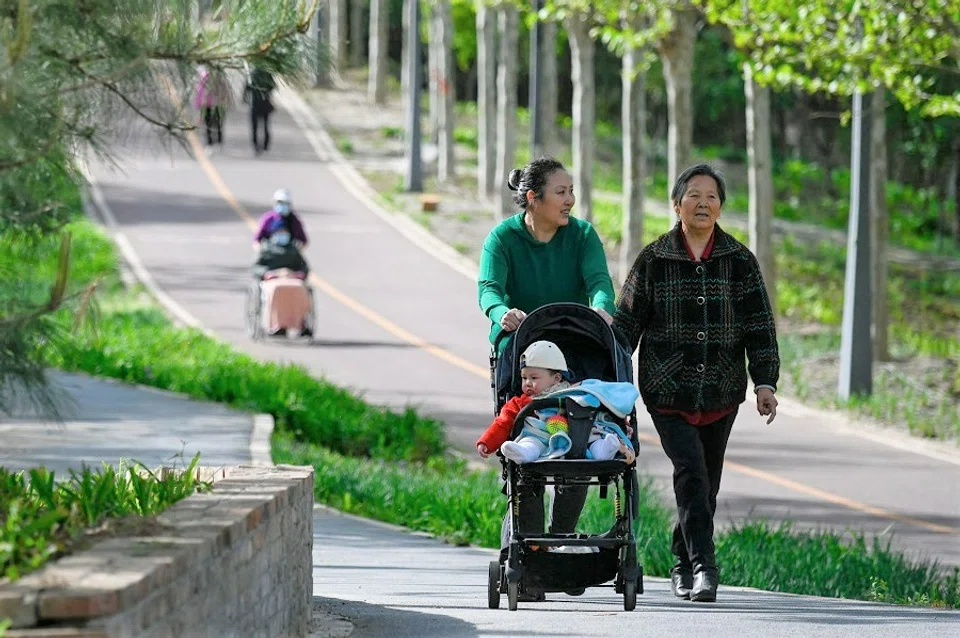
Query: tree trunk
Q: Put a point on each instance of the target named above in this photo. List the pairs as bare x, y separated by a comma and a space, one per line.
405, 59
548, 87
880, 226
486, 101
633, 120
507, 54
337, 27
356, 33
434, 53
760, 180
377, 80
676, 53
446, 89
584, 110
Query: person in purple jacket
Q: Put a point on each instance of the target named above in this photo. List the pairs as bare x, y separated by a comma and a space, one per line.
281, 216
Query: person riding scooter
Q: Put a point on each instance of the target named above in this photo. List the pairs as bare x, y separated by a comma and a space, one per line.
281, 273
280, 217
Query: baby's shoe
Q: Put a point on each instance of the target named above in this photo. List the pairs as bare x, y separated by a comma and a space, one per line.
517, 453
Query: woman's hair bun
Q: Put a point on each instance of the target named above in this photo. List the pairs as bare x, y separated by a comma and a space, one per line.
513, 179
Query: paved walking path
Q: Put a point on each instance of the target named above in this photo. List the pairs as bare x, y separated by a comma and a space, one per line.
392, 584
105, 420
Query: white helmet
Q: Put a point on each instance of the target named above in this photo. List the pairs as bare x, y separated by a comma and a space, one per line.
543, 354
282, 195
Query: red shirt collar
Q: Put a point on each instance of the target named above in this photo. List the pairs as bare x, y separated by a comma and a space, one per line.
706, 251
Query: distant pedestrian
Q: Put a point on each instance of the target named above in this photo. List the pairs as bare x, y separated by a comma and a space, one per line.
212, 97
257, 93
695, 304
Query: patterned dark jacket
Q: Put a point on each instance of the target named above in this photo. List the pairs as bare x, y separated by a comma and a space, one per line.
694, 323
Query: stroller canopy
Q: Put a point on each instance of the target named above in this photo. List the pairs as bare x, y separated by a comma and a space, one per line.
586, 340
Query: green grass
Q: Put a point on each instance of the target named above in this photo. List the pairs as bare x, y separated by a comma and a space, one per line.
464, 507
41, 519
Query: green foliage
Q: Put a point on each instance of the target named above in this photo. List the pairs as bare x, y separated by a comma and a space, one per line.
838, 47
40, 518
461, 506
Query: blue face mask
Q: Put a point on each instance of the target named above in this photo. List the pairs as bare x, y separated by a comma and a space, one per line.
283, 209
281, 238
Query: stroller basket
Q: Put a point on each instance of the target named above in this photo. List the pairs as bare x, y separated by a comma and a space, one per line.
559, 571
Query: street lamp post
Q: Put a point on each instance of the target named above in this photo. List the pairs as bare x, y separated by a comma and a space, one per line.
856, 352
413, 177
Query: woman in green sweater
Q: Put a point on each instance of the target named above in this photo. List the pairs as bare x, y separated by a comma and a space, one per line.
539, 256
542, 254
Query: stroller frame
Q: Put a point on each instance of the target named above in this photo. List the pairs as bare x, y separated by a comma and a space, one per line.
522, 570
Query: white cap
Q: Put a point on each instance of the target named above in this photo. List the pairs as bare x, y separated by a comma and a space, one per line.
282, 195
543, 354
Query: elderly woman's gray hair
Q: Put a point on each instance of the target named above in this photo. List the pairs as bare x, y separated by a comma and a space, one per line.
680, 186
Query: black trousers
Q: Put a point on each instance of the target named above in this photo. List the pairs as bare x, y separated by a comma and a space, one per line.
697, 456
567, 505
213, 122
258, 117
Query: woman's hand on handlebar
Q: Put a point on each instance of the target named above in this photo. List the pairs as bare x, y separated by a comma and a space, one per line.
482, 450
511, 320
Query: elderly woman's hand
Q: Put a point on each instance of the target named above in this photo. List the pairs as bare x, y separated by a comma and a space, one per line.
511, 320
767, 403
482, 450
606, 315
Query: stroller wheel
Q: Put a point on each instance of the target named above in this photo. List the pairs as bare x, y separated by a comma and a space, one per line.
629, 595
493, 585
513, 593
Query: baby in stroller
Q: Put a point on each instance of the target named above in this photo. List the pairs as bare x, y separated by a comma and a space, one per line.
285, 298
543, 370
533, 562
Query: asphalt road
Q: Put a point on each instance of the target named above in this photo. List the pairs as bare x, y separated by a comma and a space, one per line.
401, 326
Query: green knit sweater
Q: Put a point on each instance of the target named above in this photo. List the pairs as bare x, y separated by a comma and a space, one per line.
518, 271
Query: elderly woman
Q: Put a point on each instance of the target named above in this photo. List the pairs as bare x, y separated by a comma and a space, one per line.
696, 298
539, 256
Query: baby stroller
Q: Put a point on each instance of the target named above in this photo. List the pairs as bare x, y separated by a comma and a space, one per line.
592, 351
279, 299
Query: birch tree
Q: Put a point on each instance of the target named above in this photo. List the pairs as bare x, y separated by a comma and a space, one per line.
676, 53
377, 79
507, 52
337, 33
486, 100
356, 32
446, 93
584, 108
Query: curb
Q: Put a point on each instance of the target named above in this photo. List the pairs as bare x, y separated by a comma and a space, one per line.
263, 425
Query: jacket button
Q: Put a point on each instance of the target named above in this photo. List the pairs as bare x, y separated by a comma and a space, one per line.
700, 367
701, 336
701, 301
700, 270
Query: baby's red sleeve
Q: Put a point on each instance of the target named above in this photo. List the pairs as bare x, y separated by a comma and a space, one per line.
499, 431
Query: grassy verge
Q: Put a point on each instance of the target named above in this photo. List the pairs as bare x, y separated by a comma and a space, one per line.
41, 519
444, 499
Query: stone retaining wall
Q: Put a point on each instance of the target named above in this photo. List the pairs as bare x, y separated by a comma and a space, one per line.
233, 562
